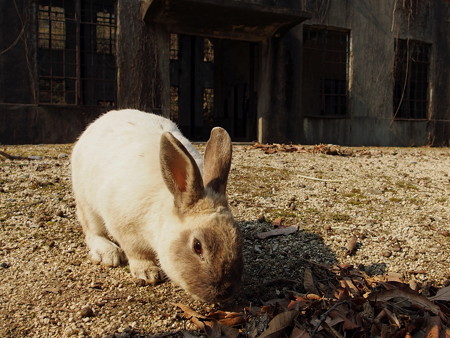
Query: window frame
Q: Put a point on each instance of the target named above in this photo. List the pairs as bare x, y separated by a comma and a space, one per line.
327, 80
407, 74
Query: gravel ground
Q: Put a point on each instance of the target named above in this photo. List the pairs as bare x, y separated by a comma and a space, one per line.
394, 202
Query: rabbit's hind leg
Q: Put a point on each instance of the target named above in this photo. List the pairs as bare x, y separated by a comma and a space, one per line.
101, 249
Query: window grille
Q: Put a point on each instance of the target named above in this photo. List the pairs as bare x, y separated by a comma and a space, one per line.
106, 32
412, 61
325, 71
76, 44
52, 27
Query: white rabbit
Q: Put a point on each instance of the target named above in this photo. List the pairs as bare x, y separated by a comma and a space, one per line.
138, 183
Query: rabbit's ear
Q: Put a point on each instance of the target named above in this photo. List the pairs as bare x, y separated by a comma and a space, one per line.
180, 172
217, 160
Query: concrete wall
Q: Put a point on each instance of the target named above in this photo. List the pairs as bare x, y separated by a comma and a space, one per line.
373, 26
372, 32
32, 124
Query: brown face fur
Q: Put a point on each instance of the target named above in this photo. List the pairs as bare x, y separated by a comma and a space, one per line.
215, 275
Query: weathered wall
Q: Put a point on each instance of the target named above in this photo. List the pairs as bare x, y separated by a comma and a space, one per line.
440, 104
369, 121
17, 69
31, 124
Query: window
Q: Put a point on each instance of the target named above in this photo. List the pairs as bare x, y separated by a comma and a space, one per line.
208, 50
56, 54
325, 69
76, 43
412, 60
106, 32
52, 28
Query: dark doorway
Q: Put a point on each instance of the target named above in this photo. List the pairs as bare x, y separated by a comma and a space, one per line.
213, 84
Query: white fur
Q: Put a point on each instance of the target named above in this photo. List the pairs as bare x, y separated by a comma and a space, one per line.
116, 176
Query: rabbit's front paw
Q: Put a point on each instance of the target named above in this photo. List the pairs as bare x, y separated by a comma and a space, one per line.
102, 251
146, 270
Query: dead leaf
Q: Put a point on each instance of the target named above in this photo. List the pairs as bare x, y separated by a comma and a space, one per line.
412, 296
192, 315
333, 321
392, 317
216, 330
299, 333
442, 294
342, 314
227, 318
434, 327
279, 323
277, 232
312, 296
297, 303
348, 283
210, 326
308, 282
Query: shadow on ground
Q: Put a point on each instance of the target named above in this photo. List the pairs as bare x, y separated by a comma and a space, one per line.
276, 265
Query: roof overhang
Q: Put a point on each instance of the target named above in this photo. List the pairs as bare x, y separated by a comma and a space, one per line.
231, 19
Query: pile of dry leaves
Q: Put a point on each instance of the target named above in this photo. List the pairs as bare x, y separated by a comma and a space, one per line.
341, 301
328, 149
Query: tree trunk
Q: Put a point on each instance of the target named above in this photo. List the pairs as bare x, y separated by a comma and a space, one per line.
143, 77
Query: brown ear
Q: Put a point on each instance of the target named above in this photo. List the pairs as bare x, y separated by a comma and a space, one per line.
217, 160
180, 172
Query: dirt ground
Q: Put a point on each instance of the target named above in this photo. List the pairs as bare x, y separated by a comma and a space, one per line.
393, 203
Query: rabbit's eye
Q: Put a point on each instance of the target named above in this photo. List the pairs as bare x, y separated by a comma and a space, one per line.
198, 247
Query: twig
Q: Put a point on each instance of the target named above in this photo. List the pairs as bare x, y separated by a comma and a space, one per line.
317, 179
323, 317
393, 16
13, 157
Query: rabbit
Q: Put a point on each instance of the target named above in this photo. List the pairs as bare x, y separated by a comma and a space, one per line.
145, 195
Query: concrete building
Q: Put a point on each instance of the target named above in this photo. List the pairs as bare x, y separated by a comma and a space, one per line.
352, 72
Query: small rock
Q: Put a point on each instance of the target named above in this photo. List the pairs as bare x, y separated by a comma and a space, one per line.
60, 214
413, 285
5, 265
257, 249
62, 155
445, 233
86, 312
261, 218
386, 253
351, 246
396, 248
70, 331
